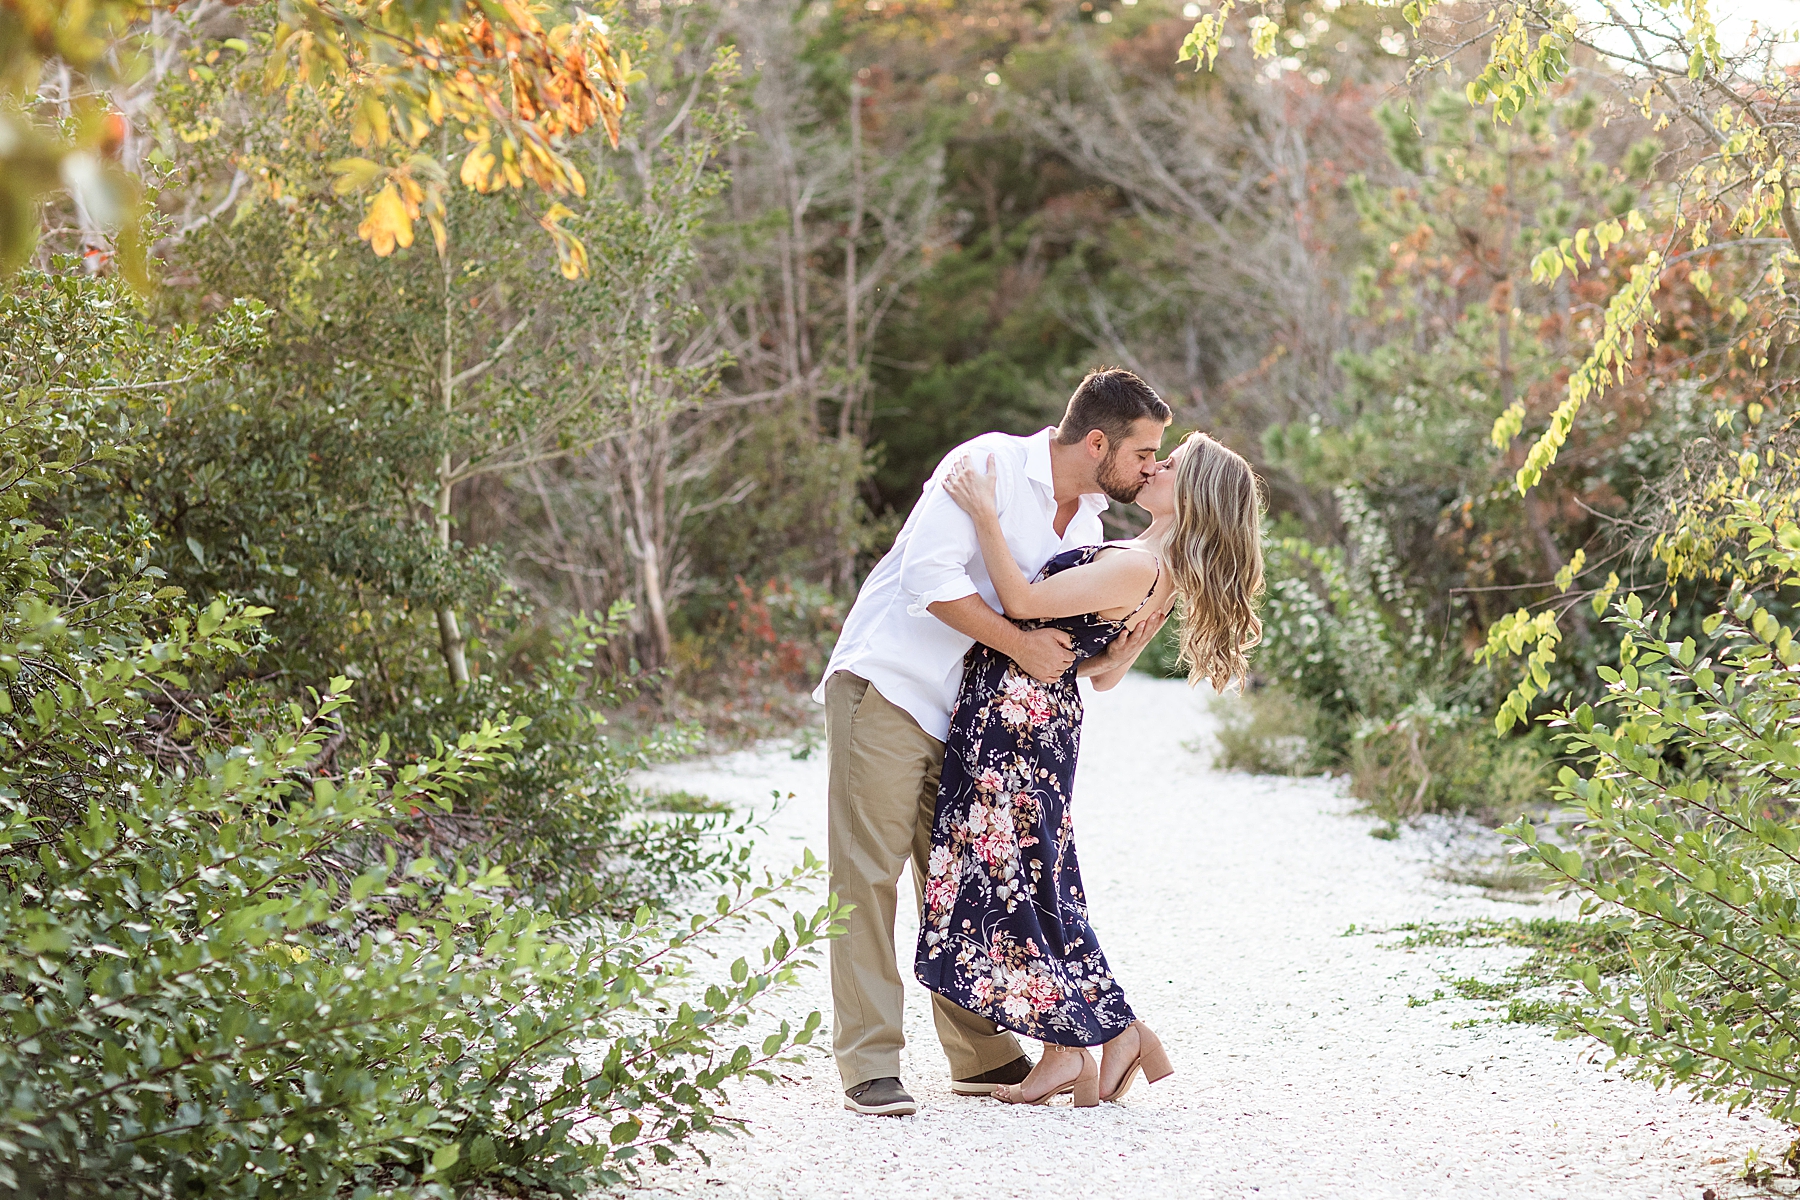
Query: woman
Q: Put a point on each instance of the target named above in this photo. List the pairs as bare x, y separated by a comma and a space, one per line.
1005, 930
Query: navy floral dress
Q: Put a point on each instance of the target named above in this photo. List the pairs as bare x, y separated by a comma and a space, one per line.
1005, 929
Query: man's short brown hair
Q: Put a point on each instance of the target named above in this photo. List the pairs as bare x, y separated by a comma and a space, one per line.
1110, 399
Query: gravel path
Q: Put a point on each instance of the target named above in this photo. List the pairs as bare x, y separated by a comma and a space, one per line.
1223, 902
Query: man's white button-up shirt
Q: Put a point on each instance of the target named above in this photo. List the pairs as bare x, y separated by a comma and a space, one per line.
909, 656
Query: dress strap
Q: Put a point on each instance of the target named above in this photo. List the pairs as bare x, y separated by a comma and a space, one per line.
1158, 579
1155, 558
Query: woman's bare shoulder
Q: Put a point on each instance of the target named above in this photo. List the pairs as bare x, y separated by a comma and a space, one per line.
1127, 562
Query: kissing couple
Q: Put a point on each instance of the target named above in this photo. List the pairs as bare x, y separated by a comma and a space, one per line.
953, 721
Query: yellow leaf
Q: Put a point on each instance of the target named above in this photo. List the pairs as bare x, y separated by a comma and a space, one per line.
571, 255
371, 123
1604, 596
478, 168
387, 223
1262, 36
1565, 578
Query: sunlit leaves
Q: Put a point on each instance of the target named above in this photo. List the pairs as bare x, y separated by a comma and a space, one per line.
354, 174
1201, 45
571, 255
388, 223
1565, 578
391, 72
1506, 638
1605, 365
371, 124
1626, 314
1262, 35
1520, 68
408, 191
1572, 253
1507, 425
515, 90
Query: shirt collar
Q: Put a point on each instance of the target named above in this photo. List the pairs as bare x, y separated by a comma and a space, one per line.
1037, 458
1037, 469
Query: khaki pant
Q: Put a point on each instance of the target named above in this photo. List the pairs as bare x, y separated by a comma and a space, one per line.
883, 794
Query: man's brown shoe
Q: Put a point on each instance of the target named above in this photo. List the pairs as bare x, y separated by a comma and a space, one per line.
881, 1098
985, 1083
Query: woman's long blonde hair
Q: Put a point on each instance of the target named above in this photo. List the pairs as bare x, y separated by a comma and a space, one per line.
1214, 559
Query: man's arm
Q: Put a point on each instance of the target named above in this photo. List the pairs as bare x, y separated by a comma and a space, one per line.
1042, 653
935, 573
942, 545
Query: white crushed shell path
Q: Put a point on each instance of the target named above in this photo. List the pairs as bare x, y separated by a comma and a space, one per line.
1222, 901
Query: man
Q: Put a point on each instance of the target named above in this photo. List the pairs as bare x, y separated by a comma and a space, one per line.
892, 682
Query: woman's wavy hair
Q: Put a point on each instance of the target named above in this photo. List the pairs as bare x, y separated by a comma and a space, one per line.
1214, 558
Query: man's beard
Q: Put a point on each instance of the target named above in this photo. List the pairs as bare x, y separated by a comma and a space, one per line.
1116, 482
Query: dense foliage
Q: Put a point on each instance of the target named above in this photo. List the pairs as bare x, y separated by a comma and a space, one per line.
1685, 797
254, 948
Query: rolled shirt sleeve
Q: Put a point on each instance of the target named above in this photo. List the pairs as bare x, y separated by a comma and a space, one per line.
943, 548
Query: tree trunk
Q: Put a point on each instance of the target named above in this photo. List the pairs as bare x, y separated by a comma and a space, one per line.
647, 544
847, 430
450, 636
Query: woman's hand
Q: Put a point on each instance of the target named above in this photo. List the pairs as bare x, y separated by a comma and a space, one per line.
973, 491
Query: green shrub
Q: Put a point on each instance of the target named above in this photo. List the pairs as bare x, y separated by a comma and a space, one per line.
236, 958
1267, 731
1688, 804
1428, 758
202, 995
560, 814
1341, 630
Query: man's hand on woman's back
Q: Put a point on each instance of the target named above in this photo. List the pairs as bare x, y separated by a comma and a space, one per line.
1044, 654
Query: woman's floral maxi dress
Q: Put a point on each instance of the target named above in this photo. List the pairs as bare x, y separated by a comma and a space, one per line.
1005, 930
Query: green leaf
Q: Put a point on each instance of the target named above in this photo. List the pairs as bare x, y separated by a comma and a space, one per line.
354, 174
445, 1157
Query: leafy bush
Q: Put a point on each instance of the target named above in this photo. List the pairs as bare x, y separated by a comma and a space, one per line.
1432, 758
232, 983
1688, 800
1355, 681
559, 817
1339, 626
1268, 731
230, 962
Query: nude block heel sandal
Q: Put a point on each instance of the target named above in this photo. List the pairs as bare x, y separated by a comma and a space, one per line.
1151, 1059
1087, 1084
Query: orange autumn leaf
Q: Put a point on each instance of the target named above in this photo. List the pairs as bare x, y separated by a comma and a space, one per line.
516, 90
